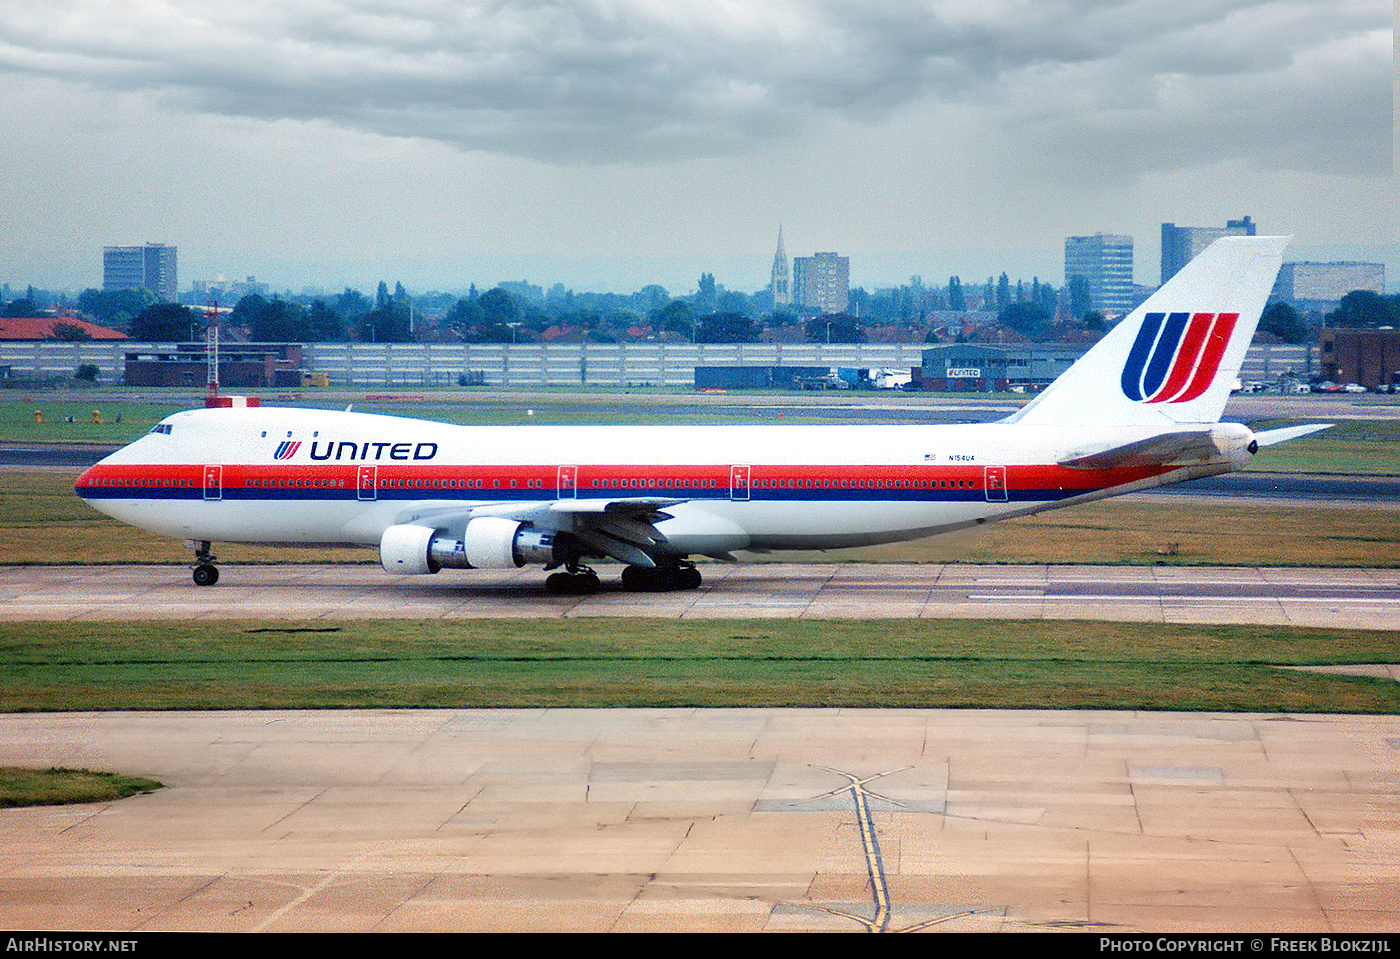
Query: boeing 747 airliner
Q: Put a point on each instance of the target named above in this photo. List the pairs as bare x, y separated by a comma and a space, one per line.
1141, 409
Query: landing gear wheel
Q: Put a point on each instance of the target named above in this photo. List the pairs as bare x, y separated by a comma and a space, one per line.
638, 579
583, 583
662, 579
205, 572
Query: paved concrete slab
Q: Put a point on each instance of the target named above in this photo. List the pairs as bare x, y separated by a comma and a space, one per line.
711, 820
1303, 597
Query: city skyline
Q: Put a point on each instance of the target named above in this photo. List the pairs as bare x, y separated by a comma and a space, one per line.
610, 146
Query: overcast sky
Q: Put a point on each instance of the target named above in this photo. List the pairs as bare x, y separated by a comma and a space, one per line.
607, 144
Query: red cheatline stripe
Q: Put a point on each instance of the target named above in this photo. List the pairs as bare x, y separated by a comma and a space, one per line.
764, 479
1210, 363
1186, 358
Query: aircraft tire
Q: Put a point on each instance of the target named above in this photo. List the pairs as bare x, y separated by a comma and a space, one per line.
637, 579
572, 584
663, 579
205, 575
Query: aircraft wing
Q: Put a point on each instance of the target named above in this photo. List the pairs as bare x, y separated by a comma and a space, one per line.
623, 529
1154, 451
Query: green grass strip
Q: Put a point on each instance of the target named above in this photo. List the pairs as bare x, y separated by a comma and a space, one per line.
652, 663
57, 787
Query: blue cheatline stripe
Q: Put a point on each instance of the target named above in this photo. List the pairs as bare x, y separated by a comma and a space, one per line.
397, 494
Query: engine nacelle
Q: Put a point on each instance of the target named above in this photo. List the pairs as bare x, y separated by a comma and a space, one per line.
488, 542
406, 550
1236, 443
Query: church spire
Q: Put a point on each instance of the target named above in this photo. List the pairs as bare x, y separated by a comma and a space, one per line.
781, 284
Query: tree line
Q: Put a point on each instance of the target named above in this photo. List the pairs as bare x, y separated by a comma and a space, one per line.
520, 313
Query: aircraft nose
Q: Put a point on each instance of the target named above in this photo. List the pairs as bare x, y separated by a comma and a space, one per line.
86, 480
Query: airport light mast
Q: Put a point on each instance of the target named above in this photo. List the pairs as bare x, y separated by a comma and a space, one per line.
211, 352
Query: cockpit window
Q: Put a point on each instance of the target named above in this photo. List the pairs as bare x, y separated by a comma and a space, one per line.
161, 428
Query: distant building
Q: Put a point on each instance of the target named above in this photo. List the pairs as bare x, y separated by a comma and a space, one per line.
821, 283
43, 328
1105, 262
241, 366
761, 377
1370, 358
523, 290
222, 288
781, 283
1321, 286
151, 267
1181, 244
973, 367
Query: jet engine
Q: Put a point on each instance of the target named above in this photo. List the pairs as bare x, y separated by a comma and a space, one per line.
1236, 442
488, 542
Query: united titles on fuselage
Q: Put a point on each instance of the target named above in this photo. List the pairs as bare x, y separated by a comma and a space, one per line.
349, 450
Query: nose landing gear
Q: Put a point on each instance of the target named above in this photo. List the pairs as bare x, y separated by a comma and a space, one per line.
205, 572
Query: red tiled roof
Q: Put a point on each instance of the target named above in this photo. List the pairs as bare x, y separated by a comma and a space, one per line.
41, 328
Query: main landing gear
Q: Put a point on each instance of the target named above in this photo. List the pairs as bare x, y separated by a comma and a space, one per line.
205, 572
660, 579
577, 581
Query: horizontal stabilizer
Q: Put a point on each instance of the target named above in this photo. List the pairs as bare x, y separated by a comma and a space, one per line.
1153, 451
1270, 437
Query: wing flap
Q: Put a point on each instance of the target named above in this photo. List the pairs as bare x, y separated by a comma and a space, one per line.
609, 545
630, 506
624, 529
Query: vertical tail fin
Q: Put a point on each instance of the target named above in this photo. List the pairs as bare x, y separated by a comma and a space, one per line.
1175, 358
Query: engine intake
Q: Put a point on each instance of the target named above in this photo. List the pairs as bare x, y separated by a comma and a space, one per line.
488, 542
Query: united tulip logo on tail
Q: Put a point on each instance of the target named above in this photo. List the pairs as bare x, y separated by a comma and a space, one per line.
1176, 355
287, 449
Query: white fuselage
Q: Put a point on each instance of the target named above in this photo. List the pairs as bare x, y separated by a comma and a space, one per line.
273, 475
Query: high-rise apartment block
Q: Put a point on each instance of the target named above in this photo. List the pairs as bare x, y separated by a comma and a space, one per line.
133, 267
1105, 262
821, 283
1181, 244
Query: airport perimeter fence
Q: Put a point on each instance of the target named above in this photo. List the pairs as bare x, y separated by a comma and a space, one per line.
533, 365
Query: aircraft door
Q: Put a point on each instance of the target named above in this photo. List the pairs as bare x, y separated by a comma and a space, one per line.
738, 482
567, 482
367, 482
213, 482
994, 483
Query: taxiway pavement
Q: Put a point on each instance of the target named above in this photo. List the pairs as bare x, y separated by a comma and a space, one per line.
679, 819
1298, 596
765, 819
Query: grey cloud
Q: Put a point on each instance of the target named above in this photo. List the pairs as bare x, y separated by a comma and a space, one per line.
648, 80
